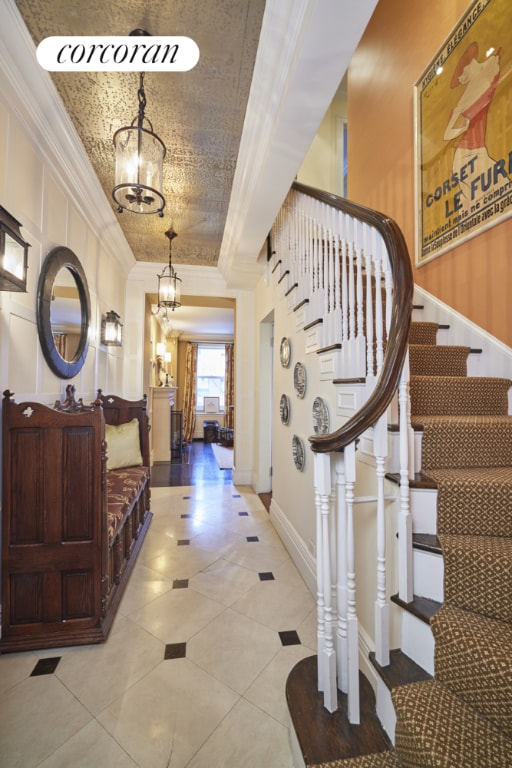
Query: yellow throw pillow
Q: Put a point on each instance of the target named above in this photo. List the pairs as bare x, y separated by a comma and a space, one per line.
123, 446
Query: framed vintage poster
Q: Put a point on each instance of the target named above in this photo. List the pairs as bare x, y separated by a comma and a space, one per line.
211, 404
463, 125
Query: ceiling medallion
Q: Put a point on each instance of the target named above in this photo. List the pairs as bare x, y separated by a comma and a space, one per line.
139, 162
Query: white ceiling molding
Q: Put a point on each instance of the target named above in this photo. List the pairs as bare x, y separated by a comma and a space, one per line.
304, 51
40, 108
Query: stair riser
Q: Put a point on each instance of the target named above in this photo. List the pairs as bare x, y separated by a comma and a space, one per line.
424, 510
428, 575
455, 396
393, 461
478, 579
385, 709
417, 641
466, 445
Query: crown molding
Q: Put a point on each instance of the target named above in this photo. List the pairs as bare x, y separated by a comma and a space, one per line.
304, 51
37, 104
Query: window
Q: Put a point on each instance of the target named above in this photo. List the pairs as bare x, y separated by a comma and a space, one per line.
211, 371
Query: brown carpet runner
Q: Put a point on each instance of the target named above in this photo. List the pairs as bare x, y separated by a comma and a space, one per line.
463, 717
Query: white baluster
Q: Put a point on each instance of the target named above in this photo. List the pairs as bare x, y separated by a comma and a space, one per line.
380, 447
352, 621
405, 568
320, 602
328, 664
370, 359
341, 596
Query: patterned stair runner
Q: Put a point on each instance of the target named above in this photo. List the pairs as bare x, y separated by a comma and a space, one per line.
464, 716
477, 671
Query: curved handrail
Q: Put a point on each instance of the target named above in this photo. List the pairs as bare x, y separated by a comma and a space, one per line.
398, 336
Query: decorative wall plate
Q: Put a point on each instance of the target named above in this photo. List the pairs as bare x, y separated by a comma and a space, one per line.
284, 409
298, 452
285, 352
320, 416
299, 379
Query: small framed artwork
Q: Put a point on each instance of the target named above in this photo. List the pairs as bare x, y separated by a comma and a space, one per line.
211, 404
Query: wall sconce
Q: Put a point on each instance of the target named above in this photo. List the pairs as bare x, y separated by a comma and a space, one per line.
139, 161
13, 254
169, 284
111, 330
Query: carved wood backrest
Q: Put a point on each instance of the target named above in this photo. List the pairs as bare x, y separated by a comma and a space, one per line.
54, 463
117, 411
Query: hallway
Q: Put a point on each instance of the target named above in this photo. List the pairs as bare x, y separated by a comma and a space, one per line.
194, 670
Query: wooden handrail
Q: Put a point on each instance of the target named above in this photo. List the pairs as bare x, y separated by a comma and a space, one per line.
398, 336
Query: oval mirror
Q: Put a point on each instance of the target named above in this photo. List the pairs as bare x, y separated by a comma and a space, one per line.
63, 312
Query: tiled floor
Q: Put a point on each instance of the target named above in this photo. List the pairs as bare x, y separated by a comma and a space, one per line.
193, 672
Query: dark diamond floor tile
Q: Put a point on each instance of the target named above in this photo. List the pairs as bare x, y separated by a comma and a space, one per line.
180, 584
183, 542
243, 514
237, 496
289, 637
186, 516
252, 538
175, 651
266, 576
45, 666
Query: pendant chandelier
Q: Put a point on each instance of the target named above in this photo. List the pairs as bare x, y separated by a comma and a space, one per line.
169, 284
139, 162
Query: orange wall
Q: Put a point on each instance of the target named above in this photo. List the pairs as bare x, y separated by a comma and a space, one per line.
474, 278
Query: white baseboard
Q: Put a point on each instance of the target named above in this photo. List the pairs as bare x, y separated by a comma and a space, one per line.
304, 560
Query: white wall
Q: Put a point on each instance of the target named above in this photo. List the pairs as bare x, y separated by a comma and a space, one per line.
46, 183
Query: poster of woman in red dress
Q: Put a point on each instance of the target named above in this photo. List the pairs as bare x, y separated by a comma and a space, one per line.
464, 132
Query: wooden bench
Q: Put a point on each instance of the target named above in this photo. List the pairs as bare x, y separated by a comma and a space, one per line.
71, 528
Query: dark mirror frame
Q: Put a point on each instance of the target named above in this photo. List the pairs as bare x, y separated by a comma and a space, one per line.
57, 259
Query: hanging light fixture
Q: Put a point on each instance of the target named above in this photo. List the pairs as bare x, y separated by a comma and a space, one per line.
139, 162
169, 284
112, 329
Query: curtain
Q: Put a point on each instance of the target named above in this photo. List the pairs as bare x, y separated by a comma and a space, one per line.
189, 396
229, 387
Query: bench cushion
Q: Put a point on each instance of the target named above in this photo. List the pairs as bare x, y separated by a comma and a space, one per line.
123, 487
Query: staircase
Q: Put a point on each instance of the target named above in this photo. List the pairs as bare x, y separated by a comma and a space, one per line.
462, 717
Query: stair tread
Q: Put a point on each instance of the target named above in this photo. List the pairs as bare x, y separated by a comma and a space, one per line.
401, 669
426, 542
324, 737
420, 480
421, 607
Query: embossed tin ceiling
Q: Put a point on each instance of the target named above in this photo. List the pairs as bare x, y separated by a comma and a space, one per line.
198, 115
